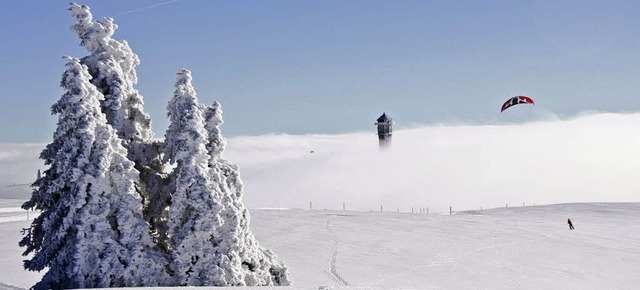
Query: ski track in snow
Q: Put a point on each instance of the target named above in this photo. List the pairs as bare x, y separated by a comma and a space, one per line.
447, 260
509, 279
333, 269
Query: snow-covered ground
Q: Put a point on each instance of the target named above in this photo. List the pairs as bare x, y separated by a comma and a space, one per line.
433, 167
505, 248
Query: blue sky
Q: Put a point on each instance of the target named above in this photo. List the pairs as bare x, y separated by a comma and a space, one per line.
303, 67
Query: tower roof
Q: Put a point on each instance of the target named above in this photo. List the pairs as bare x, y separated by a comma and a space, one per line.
384, 118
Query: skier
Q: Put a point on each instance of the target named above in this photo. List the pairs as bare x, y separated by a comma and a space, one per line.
570, 224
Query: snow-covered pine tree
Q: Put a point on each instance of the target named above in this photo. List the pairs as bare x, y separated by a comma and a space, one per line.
112, 66
91, 232
244, 261
194, 214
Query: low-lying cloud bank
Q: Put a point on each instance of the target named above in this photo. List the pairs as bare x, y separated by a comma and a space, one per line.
19, 166
590, 158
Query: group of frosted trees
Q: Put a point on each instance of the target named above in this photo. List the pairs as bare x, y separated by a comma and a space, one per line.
112, 214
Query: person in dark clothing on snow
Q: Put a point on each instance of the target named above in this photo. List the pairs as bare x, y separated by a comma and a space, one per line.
570, 224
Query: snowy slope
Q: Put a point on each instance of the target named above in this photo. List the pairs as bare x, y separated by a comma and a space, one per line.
12, 220
513, 248
528, 248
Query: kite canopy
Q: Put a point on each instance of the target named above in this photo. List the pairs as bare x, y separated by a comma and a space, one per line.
515, 101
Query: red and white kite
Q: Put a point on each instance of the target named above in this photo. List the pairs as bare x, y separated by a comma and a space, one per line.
515, 101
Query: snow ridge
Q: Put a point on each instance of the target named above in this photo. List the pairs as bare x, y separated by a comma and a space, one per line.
7, 286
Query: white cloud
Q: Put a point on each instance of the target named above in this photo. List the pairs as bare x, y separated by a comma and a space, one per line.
590, 158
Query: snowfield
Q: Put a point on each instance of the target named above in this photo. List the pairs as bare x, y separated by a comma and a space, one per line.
505, 248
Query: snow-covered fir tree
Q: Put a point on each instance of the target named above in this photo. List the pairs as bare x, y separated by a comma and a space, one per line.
206, 211
194, 213
110, 216
91, 232
244, 262
112, 66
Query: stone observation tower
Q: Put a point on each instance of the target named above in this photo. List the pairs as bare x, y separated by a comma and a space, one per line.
384, 124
